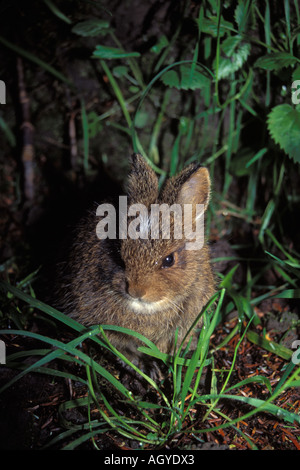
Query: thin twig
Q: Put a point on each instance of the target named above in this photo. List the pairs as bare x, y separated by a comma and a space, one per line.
28, 154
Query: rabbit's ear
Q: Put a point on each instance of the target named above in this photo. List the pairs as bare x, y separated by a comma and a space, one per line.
142, 184
196, 189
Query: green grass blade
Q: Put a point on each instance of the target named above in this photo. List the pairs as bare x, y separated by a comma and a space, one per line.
256, 379
284, 377
270, 346
36, 60
107, 53
265, 406
54, 313
57, 12
8, 133
66, 348
117, 92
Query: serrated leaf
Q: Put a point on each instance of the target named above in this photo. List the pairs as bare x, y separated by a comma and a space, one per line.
230, 44
284, 127
92, 27
241, 14
171, 79
296, 74
105, 52
210, 26
276, 61
185, 78
236, 53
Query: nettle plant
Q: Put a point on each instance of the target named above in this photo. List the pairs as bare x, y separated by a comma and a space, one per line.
238, 64
251, 59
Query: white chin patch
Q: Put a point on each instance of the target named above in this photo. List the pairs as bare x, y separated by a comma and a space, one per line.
138, 306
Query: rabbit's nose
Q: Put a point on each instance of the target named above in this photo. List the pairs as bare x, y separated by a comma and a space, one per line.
136, 291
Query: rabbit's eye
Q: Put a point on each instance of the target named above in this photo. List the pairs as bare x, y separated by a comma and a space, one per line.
168, 261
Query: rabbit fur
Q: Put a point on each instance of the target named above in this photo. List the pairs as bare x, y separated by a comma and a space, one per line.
127, 283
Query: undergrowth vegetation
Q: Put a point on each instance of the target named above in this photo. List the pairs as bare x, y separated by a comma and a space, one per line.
219, 87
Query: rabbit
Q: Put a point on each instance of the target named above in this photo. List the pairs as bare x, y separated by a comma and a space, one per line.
152, 286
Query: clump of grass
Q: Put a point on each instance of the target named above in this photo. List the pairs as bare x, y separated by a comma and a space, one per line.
152, 424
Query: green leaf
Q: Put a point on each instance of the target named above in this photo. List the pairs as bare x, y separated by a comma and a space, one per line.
105, 52
238, 164
276, 61
160, 45
57, 12
61, 348
142, 118
120, 70
255, 379
236, 53
295, 33
267, 407
227, 281
92, 27
94, 125
288, 294
8, 133
257, 156
284, 377
296, 74
271, 346
241, 15
186, 78
210, 26
36, 60
284, 127
230, 45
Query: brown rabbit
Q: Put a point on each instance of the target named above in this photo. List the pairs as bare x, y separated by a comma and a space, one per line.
152, 286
